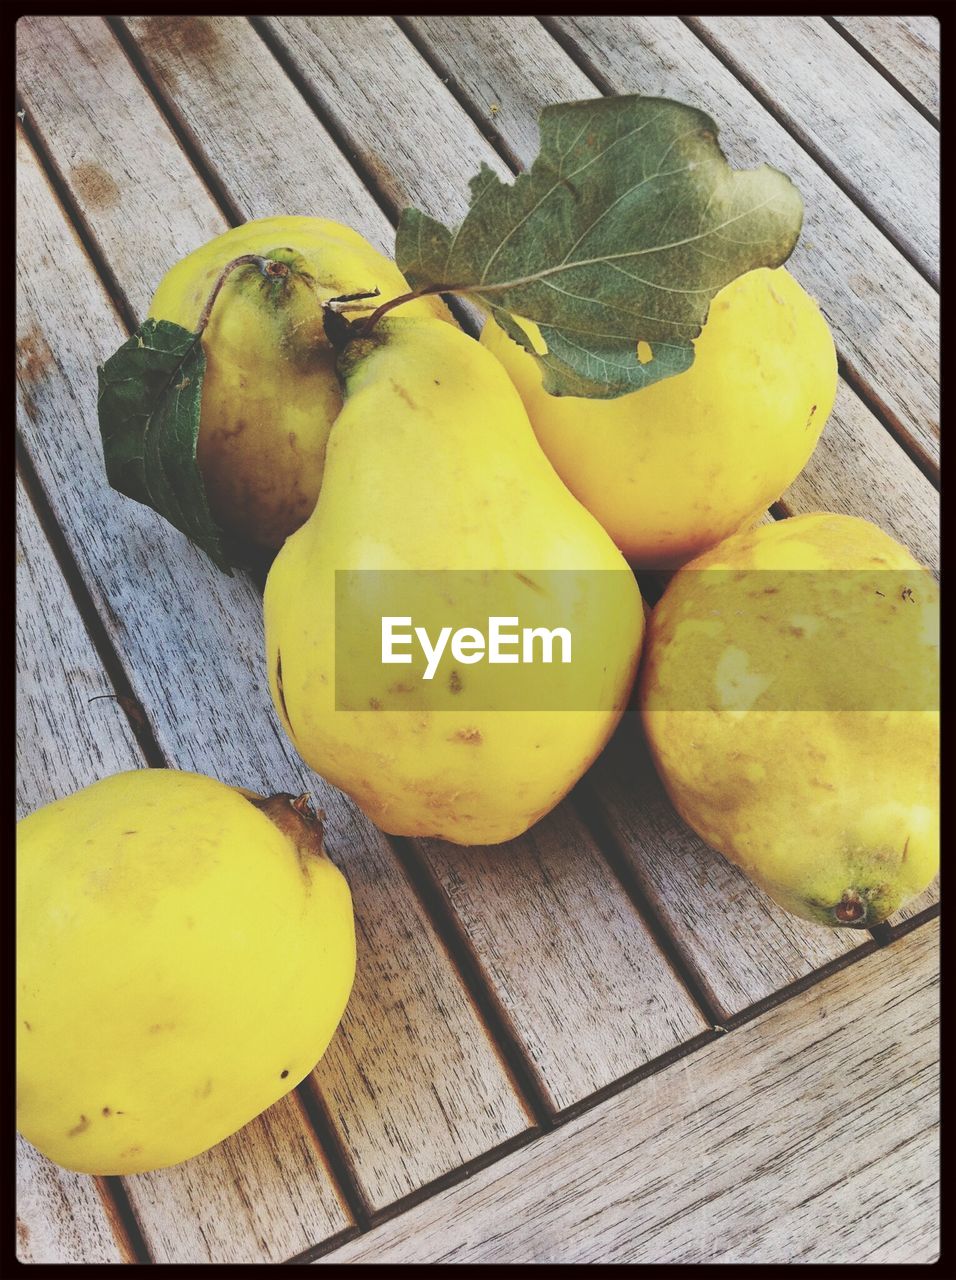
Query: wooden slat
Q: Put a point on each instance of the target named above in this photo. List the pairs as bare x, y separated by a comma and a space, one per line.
858, 468
64, 742
253, 128
112, 148
590, 996
71, 730
62, 1216
534, 898
514, 65
883, 313
410, 134
248, 1221
925, 900
192, 640
883, 150
906, 47
809, 1135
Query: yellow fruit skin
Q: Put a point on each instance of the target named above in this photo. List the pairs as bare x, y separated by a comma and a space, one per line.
673, 469
180, 968
432, 464
819, 807
270, 392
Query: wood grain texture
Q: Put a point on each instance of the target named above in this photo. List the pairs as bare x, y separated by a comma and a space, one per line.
906, 47
251, 125
410, 134
588, 992
533, 888
809, 1135
137, 191
71, 730
851, 118
515, 66
191, 642
63, 1216
858, 468
884, 315
221, 1206
64, 742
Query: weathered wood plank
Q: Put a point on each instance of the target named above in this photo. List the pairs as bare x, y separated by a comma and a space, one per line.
63, 1216
527, 902
514, 65
859, 468
589, 994
808, 1135
884, 315
837, 104
927, 899
71, 730
252, 126
246, 1222
907, 47
64, 742
191, 640
410, 135
134, 184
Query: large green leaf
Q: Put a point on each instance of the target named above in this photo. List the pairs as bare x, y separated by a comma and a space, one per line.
628, 223
150, 395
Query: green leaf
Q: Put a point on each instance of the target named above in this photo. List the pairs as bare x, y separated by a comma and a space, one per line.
627, 224
150, 395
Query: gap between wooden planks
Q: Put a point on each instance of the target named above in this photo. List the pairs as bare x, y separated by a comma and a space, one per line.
903, 49
811, 1135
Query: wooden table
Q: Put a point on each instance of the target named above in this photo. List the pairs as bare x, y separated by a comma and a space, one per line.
599, 1043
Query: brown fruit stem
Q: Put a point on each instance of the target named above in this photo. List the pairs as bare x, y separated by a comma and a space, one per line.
268, 267
296, 818
364, 327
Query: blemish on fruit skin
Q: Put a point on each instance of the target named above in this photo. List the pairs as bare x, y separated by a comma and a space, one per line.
204, 1090
283, 1074
27, 1025
79, 1128
471, 736
107, 1111
454, 682
131, 1151
403, 394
